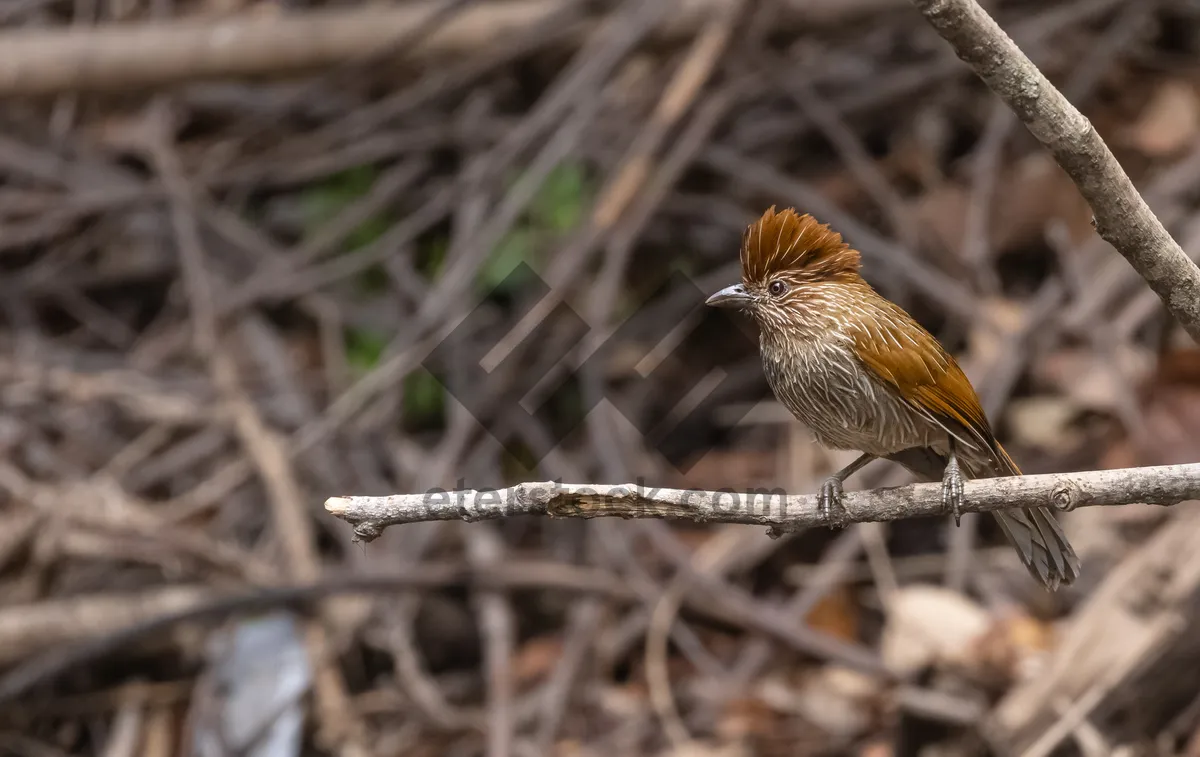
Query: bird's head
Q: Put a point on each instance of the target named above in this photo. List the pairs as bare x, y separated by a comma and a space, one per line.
794, 271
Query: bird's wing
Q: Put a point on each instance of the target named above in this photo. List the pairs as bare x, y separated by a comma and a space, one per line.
907, 358
901, 354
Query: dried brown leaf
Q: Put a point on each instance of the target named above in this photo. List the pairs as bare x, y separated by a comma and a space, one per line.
931, 626
1028, 195
876, 749
990, 335
744, 717
1045, 422
1170, 415
836, 613
1169, 122
1011, 646
1094, 381
536, 659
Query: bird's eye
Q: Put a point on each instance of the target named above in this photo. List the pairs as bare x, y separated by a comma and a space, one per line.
777, 288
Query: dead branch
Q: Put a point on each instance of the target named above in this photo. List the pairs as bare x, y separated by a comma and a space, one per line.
51, 61
1121, 215
29, 628
1158, 485
105, 624
115, 57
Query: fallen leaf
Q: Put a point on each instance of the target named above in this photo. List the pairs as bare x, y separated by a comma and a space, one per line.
876, 749
1179, 366
839, 700
744, 717
536, 658
930, 626
839, 716
1031, 193
1045, 422
635, 83
836, 614
1013, 647
1027, 196
1095, 381
704, 749
1169, 415
991, 334
624, 701
1169, 122
570, 748
942, 212
1171, 427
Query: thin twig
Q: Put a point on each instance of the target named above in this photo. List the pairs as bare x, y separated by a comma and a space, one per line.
1158, 485
709, 558
485, 551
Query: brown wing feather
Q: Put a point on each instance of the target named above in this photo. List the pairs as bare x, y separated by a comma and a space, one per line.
907, 357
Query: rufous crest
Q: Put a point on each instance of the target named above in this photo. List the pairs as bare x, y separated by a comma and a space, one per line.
786, 241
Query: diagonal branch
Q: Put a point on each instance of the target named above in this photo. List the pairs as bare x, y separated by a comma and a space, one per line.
1120, 215
1159, 485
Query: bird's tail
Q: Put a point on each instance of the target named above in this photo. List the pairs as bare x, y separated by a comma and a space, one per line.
1034, 533
1037, 536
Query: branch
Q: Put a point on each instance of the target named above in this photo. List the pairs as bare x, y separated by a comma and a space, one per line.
1120, 215
114, 56
1161, 485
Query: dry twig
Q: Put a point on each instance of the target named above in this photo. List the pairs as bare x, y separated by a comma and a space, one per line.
1158, 485
114, 57
181, 609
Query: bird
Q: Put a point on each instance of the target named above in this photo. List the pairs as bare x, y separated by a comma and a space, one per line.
864, 375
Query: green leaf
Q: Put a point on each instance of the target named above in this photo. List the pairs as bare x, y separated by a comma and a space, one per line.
368, 231
424, 398
364, 348
432, 256
558, 205
496, 273
321, 203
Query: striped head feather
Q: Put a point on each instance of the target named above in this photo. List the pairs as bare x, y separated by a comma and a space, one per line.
797, 247
797, 276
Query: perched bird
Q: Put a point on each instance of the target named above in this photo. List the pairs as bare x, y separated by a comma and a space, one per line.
863, 375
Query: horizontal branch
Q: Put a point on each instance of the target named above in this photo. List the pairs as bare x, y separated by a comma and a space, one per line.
114, 56
1160, 485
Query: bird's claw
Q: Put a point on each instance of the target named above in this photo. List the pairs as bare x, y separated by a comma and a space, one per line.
829, 503
952, 491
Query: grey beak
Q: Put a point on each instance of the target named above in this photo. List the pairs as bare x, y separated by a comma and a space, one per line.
730, 297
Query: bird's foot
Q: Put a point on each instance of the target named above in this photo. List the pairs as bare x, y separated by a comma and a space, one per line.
829, 503
952, 490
